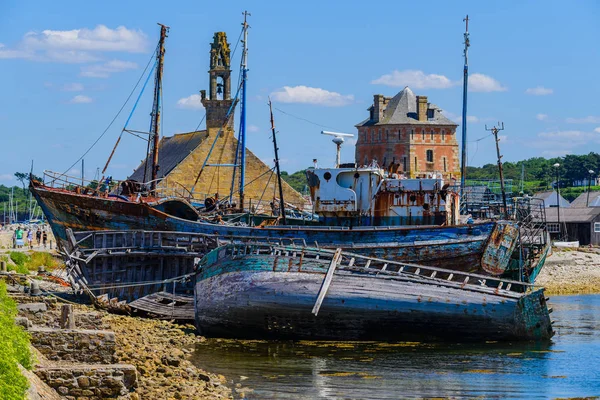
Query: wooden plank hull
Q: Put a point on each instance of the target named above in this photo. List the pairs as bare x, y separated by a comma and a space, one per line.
271, 296
445, 246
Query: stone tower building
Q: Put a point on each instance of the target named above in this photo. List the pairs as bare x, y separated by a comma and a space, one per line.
219, 101
181, 156
408, 135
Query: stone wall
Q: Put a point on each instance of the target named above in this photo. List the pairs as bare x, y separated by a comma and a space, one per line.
90, 382
75, 345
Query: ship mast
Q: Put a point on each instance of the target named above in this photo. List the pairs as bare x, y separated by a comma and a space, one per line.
242, 136
155, 123
281, 201
463, 161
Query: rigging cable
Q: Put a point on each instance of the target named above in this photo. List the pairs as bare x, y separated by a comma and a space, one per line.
306, 120
111, 122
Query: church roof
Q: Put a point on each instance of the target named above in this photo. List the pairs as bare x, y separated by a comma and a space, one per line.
171, 152
402, 109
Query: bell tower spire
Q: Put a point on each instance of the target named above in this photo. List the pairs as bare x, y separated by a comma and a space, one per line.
219, 100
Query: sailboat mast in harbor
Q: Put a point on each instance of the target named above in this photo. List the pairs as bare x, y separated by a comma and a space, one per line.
281, 201
155, 122
463, 161
242, 136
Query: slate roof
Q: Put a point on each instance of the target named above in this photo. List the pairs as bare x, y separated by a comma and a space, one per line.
549, 198
171, 152
402, 109
581, 200
572, 214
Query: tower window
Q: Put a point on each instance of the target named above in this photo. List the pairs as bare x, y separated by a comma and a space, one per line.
443, 135
399, 134
379, 134
412, 134
430, 113
423, 134
372, 135
444, 159
430, 156
387, 135
404, 166
432, 135
416, 164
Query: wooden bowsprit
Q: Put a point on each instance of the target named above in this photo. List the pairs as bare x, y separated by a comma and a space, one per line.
335, 261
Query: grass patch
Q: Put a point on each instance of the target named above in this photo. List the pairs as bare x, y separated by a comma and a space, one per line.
14, 348
30, 262
20, 259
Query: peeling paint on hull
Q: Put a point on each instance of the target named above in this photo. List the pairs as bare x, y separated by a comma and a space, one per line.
271, 296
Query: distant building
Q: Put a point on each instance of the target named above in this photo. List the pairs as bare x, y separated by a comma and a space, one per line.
181, 156
584, 182
549, 198
591, 199
408, 135
576, 224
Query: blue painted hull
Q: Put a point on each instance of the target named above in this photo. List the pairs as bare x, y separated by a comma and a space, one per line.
454, 247
271, 296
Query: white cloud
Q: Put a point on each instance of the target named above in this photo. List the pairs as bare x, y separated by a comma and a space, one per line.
566, 140
415, 79
586, 120
72, 87
502, 138
76, 45
14, 53
80, 99
541, 117
6, 177
191, 102
104, 70
253, 128
309, 95
472, 119
484, 83
539, 91
597, 130
101, 38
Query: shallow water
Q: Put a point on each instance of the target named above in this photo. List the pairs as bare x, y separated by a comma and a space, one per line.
569, 366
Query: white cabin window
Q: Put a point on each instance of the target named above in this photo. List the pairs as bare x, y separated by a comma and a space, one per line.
553, 227
596, 227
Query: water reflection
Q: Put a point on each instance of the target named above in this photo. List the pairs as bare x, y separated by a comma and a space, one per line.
564, 368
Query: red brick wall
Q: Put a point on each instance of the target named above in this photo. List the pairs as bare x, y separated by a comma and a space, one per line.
396, 142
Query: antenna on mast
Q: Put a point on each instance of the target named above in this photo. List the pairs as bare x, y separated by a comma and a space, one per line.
463, 161
338, 140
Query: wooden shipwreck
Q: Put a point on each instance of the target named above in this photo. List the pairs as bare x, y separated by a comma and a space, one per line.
286, 292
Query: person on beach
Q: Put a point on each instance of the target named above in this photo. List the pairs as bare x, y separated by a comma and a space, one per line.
38, 237
19, 236
30, 238
44, 238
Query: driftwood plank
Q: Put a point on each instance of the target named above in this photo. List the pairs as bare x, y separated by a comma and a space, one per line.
327, 281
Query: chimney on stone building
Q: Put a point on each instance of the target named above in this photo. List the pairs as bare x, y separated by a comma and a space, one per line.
378, 107
422, 108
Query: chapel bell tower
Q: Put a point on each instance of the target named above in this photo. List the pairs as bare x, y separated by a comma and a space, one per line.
219, 102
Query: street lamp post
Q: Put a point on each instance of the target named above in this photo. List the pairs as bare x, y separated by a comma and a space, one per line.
557, 165
591, 172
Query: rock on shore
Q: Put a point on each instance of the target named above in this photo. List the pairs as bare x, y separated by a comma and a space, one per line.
571, 272
160, 351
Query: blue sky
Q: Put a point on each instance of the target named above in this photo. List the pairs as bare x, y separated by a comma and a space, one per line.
68, 66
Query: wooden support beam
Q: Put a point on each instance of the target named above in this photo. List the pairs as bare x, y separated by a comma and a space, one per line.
335, 261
